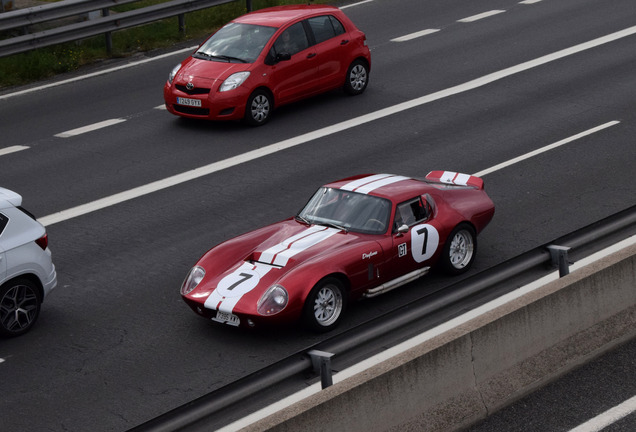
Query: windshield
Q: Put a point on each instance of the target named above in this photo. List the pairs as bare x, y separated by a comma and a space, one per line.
347, 210
236, 43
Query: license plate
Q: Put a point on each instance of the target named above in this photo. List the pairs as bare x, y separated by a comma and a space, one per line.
189, 102
226, 318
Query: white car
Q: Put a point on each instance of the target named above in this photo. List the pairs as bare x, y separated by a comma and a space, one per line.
27, 273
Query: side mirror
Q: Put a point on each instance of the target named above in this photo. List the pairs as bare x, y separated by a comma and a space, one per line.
402, 229
283, 57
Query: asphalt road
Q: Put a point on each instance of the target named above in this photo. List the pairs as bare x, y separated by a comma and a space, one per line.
115, 345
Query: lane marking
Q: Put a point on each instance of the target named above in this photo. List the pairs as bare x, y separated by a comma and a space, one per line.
356, 4
421, 338
415, 35
90, 128
329, 130
546, 148
94, 74
527, 2
12, 149
609, 417
481, 16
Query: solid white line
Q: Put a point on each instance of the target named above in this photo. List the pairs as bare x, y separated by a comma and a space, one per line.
12, 149
330, 130
609, 417
545, 149
421, 338
481, 16
89, 128
356, 4
94, 74
415, 35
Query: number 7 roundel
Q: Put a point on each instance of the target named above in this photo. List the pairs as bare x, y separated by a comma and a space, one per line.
424, 242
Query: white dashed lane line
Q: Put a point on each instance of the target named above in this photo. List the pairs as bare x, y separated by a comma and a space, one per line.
12, 149
480, 16
90, 128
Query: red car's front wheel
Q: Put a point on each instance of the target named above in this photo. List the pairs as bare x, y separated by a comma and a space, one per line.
324, 305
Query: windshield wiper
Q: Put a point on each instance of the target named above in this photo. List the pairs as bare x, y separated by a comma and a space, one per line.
299, 218
221, 57
334, 225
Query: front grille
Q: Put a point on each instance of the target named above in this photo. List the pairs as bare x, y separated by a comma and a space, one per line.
194, 91
192, 110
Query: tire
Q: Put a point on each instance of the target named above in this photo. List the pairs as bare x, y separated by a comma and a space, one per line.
460, 249
325, 305
259, 107
20, 301
357, 78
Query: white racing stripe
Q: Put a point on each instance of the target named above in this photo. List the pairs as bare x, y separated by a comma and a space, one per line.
280, 254
231, 289
366, 185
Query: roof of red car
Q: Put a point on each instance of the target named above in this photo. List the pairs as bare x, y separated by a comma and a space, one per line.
279, 15
393, 187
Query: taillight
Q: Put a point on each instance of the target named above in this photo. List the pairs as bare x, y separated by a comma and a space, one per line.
43, 241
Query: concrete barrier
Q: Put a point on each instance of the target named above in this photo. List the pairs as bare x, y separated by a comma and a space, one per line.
461, 375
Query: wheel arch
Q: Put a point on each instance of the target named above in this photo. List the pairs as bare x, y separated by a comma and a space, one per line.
31, 278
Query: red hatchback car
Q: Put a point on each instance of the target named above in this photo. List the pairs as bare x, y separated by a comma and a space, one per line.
269, 58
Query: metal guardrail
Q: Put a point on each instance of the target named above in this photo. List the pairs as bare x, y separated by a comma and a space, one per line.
105, 24
317, 357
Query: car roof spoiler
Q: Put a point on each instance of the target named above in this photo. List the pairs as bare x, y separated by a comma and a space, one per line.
10, 196
455, 178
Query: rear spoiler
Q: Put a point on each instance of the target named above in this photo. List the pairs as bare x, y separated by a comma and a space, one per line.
10, 196
455, 178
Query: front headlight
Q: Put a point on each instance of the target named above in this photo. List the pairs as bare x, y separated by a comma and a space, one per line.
234, 81
192, 280
174, 73
273, 301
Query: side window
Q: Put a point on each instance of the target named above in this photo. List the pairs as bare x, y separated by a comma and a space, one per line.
411, 212
322, 28
337, 25
292, 40
3, 222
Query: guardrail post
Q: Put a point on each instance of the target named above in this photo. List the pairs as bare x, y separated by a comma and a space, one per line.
248, 5
108, 35
321, 361
182, 28
559, 255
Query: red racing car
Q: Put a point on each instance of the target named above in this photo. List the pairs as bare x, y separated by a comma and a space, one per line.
357, 237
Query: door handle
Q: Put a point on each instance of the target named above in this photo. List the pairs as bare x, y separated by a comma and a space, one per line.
344, 41
311, 55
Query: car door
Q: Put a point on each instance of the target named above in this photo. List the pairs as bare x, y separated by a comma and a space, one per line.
332, 50
416, 236
294, 73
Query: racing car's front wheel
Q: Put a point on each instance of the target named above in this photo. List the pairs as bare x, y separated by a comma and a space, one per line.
324, 305
460, 249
